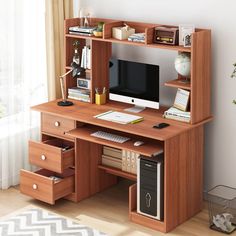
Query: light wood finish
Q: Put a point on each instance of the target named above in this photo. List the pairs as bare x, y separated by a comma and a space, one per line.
50, 155
200, 76
118, 172
38, 185
106, 212
56, 125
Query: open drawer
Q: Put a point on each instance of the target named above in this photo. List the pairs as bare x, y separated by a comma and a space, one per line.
55, 154
43, 186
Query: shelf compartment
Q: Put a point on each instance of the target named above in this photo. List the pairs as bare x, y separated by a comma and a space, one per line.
39, 185
141, 219
177, 83
118, 172
50, 154
84, 132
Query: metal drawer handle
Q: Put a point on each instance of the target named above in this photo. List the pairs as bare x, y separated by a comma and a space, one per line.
43, 157
35, 186
57, 123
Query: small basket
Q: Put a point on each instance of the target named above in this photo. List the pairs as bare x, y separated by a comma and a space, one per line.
222, 208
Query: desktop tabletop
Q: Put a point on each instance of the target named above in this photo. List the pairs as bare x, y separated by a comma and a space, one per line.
85, 112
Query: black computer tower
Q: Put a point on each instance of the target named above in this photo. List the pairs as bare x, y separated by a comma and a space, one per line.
150, 186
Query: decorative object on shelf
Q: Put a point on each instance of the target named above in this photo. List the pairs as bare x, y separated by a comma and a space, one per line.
138, 37
166, 35
185, 34
181, 99
122, 32
85, 17
98, 32
234, 76
183, 66
76, 71
222, 208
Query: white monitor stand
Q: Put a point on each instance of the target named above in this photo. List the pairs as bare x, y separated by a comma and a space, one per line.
135, 109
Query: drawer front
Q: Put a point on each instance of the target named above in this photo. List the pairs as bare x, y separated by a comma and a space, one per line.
39, 186
57, 125
50, 157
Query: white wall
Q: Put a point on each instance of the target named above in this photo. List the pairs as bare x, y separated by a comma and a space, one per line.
220, 17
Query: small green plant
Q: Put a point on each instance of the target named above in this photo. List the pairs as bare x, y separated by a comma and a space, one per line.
233, 75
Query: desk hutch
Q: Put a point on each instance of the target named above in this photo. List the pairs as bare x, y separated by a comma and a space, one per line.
80, 168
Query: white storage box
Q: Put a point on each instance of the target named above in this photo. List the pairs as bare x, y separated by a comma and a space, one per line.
122, 32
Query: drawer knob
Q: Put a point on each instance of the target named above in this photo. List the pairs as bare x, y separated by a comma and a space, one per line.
57, 123
43, 157
35, 186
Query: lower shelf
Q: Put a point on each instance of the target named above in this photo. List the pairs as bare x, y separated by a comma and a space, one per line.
118, 172
141, 219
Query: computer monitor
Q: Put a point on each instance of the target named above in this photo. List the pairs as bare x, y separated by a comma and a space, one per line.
134, 83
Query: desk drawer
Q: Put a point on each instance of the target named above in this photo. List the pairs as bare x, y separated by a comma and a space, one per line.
55, 154
39, 185
57, 125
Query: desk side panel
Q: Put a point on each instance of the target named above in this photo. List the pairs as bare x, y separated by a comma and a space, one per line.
183, 177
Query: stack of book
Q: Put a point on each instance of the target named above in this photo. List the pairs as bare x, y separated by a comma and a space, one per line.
85, 31
129, 161
79, 94
86, 58
138, 37
112, 157
176, 114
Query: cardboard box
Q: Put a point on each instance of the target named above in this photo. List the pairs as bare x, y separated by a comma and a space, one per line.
122, 32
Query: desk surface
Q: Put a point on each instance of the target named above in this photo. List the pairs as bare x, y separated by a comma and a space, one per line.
84, 112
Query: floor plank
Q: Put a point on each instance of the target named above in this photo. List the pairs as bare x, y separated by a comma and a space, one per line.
106, 211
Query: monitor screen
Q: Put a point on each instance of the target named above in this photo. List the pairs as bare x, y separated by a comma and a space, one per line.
134, 82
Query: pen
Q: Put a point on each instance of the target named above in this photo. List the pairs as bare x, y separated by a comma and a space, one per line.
136, 121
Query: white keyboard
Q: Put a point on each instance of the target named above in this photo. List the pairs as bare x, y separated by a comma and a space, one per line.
110, 137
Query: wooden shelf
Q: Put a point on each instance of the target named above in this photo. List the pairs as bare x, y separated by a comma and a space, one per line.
177, 83
151, 45
118, 172
147, 149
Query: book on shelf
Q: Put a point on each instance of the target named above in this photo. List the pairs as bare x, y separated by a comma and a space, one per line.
177, 114
79, 94
111, 161
137, 37
86, 57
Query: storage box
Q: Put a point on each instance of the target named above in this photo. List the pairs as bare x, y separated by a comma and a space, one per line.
122, 32
222, 208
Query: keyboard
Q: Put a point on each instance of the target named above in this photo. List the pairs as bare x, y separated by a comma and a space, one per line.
111, 137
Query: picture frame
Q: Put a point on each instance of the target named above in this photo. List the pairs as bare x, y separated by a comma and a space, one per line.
185, 34
182, 99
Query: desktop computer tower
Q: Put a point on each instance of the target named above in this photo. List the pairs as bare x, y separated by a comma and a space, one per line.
150, 186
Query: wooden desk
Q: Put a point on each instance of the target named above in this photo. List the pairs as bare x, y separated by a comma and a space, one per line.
183, 158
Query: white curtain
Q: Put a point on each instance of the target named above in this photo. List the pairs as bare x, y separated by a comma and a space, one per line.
23, 82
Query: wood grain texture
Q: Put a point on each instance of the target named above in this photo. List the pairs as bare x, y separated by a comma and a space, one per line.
48, 155
200, 76
56, 124
46, 189
183, 177
101, 53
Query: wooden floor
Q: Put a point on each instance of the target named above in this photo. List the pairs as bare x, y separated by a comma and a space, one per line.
106, 211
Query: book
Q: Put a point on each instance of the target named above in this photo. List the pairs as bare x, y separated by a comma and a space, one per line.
176, 114
111, 161
119, 117
112, 152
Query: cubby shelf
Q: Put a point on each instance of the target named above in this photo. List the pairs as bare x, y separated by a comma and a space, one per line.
151, 45
177, 83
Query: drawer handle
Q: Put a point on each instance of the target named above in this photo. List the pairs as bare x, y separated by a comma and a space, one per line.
57, 123
43, 157
35, 186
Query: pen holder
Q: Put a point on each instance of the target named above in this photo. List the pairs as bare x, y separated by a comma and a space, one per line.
100, 99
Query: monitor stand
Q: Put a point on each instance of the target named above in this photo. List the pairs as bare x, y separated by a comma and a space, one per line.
135, 109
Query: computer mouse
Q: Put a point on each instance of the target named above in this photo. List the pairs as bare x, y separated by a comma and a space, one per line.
138, 143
